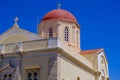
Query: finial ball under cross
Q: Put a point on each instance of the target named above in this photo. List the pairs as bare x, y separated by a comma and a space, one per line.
16, 19
59, 5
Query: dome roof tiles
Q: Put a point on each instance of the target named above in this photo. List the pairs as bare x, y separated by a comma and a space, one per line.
59, 14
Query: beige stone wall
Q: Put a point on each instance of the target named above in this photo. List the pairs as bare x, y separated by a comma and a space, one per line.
93, 59
13, 39
58, 30
41, 44
45, 61
32, 61
44, 27
34, 45
74, 53
74, 39
99, 63
70, 71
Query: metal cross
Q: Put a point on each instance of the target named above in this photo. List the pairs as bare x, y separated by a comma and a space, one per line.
16, 19
59, 5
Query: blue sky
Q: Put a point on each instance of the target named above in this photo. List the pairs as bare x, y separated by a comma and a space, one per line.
99, 20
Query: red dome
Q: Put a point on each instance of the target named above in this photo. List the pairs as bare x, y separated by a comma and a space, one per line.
59, 14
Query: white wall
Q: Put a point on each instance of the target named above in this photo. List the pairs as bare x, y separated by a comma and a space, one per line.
103, 66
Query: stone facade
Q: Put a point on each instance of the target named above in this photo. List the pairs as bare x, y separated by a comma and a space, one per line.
52, 54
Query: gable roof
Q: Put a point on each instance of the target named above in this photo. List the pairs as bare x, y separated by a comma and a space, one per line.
15, 29
7, 66
93, 51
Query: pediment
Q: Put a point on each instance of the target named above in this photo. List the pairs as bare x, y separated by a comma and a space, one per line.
7, 68
16, 34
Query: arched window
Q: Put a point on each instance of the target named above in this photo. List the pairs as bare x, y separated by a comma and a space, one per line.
29, 76
50, 32
5, 77
40, 32
66, 34
33, 74
77, 36
10, 77
102, 61
78, 78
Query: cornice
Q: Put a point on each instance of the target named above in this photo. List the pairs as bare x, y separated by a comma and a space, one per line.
60, 52
77, 62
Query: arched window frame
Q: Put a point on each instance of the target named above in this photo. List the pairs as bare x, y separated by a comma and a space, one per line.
66, 34
10, 77
7, 77
29, 76
40, 32
78, 78
104, 65
77, 37
50, 32
33, 76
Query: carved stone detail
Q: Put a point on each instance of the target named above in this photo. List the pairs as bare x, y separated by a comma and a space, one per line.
52, 73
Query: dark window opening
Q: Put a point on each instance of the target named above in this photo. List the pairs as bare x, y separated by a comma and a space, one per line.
50, 32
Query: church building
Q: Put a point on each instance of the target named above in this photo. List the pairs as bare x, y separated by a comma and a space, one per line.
54, 53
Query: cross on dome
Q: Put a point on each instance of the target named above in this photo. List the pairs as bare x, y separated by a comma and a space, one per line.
59, 5
16, 19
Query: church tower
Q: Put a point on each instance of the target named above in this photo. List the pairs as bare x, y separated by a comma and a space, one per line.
61, 24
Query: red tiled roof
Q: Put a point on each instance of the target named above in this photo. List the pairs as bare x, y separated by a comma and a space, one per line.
59, 14
90, 51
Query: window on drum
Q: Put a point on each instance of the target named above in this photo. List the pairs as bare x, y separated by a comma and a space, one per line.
66, 34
